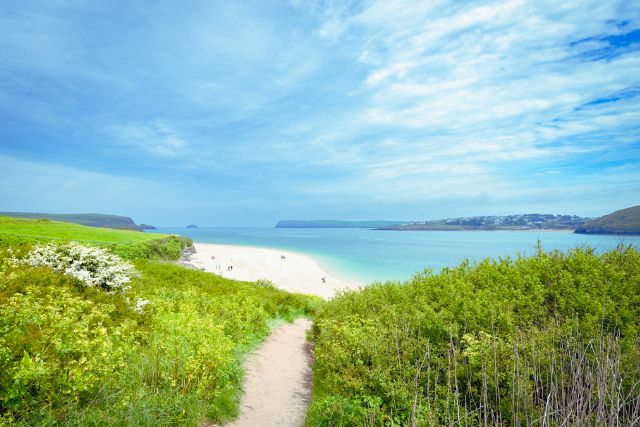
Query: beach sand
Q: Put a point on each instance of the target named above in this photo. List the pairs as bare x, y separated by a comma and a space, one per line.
293, 273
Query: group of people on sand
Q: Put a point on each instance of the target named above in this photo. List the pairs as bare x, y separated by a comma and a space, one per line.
230, 267
219, 267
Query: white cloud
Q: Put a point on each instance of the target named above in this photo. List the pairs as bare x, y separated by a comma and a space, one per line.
154, 137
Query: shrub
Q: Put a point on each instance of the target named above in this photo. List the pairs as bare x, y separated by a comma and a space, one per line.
546, 340
94, 267
169, 248
58, 345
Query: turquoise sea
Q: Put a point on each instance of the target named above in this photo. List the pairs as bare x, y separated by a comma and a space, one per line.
363, 256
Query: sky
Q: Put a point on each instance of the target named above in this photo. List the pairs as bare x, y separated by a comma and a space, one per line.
225, 113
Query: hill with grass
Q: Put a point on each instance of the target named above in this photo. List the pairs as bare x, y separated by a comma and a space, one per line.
624, 221
90, 219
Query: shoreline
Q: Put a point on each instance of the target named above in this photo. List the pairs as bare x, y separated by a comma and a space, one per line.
289, 271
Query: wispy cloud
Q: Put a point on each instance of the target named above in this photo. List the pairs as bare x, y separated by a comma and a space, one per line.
154, 137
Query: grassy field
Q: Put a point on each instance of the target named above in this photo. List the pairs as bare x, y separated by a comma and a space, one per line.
167, 351
27, 229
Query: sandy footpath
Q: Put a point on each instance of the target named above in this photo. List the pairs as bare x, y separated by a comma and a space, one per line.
293, 273
277, 382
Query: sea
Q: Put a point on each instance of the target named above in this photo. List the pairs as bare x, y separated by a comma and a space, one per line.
364, 256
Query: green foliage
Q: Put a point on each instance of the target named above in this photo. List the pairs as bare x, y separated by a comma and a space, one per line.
80, 356
168, 248
485, 344
58, 340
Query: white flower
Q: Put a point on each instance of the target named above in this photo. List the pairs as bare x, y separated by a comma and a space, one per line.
140, 305
93, 266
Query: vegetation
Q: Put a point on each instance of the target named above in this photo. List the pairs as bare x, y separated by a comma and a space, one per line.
625, 221
91, 220
125, 243
109, 333
547, 340
78, 347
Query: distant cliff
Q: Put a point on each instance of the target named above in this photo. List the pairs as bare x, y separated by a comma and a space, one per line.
327, 223
624, 221
92, 220
507, 222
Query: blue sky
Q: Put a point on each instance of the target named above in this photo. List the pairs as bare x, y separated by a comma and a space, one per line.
243, 113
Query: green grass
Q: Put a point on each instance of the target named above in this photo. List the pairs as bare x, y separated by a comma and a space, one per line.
34, 229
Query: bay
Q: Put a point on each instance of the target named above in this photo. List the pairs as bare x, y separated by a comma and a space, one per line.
364, 256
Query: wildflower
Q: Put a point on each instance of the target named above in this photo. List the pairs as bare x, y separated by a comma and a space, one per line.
140, 305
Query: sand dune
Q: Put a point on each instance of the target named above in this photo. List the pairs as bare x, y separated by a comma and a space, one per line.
293, 273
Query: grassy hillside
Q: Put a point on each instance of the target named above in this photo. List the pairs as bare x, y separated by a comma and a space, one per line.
91, 220
126, 243
47, 229
166, 351
625, 221
547, 340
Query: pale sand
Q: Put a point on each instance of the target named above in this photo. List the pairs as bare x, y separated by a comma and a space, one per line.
277, 381
294, 273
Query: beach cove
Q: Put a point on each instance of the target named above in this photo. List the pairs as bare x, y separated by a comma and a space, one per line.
289, 271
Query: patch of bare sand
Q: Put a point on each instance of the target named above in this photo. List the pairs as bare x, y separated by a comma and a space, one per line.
290, 271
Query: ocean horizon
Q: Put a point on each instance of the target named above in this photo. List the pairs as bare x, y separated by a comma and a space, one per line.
364, 256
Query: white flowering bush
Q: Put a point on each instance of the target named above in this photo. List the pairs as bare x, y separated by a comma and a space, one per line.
93, 266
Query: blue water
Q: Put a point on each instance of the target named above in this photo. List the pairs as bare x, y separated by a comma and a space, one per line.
364, 255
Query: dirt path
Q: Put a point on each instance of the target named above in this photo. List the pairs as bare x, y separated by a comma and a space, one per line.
277, 384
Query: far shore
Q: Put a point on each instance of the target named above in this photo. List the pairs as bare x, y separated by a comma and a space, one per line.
289, 271
555, 230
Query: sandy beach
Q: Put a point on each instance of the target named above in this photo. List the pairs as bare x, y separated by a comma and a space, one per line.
290, 271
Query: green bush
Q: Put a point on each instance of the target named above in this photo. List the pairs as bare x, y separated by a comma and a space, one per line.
59, 341
168, 248
499, 342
